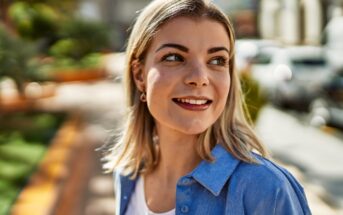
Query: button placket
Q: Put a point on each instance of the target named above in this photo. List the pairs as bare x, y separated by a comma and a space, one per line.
184, 190
184, 208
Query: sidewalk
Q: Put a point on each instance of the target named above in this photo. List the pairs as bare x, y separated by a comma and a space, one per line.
314, 156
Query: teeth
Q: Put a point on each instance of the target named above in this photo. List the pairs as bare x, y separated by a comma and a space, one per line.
193, 101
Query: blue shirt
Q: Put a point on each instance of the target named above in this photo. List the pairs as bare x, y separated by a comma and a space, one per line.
229, 186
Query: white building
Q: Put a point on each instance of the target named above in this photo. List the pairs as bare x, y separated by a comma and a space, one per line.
296, 21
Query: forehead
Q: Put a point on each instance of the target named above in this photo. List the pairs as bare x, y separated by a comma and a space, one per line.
192, 31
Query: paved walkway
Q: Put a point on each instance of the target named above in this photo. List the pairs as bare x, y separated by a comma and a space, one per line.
316, 154
310, 154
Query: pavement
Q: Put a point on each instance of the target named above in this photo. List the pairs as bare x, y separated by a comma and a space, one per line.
314, 155
311, 154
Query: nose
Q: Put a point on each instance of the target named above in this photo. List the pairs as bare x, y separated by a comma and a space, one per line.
197, 76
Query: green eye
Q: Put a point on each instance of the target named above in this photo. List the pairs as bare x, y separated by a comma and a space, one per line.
219, 61
172, 58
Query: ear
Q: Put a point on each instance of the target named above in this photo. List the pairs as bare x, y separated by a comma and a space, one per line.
138, 75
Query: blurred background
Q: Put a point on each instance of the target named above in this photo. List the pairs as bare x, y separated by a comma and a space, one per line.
61, 96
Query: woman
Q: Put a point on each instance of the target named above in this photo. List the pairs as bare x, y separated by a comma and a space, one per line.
186, 146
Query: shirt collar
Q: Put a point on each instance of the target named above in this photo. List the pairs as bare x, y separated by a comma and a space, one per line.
214, 175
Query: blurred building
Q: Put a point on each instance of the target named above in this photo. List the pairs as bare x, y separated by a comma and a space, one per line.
296, 21
289, 21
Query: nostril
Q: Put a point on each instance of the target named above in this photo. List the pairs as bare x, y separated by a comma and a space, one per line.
192, 83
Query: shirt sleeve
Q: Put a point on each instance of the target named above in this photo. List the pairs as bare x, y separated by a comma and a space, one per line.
290, 198
268, 189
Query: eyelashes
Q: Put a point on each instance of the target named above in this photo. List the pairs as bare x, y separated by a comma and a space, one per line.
215, 61
219, 61
172, 58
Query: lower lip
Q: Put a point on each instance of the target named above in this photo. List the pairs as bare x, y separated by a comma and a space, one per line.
193, 107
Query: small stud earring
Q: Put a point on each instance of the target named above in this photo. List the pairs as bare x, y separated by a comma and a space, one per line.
143, 97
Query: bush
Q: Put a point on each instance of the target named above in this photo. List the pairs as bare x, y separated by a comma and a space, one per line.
34, 21
14, 58
79, 38
254, 99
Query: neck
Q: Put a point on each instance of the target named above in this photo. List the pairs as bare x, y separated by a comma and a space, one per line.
178, 155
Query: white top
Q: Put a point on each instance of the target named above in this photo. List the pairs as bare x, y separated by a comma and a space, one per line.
137, 204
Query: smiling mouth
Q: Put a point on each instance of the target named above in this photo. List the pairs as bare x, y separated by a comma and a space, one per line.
193, 104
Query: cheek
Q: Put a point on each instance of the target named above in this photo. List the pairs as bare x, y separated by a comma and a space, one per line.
223, 86
155, 81
159, 85
223, 89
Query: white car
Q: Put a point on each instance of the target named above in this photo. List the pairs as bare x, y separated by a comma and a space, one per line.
300, 73
255, 55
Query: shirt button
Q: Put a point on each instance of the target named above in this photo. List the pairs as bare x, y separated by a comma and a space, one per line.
184, 209
125, 197
186, 181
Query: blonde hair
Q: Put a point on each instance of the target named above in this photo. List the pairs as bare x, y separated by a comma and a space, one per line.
135, 151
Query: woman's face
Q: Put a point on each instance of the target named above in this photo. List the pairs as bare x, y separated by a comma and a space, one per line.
186, 74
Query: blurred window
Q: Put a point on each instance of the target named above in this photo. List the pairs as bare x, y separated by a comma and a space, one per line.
261, 58
309, 62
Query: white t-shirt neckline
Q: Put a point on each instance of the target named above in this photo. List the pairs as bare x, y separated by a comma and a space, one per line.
137, 204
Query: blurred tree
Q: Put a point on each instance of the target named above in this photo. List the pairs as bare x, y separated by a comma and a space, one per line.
254, 98
34, 21
14, 58
79, 38
65, 6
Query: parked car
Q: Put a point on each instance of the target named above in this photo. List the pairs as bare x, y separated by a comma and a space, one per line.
254, 51
328, 109
300, 74
254, 56
326, 112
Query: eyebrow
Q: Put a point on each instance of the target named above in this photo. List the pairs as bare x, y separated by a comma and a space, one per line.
173, 45
217, 49
185, 49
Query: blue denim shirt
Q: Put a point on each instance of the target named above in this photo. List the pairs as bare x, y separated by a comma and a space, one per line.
229, 186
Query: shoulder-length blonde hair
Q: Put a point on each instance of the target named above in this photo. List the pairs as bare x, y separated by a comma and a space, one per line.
135, 151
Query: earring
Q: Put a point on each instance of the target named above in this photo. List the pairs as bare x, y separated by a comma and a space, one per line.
143, 97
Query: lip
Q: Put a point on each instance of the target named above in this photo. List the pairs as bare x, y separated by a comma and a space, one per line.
193, 107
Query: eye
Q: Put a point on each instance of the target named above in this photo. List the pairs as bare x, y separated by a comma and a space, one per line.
172, 58
218, 61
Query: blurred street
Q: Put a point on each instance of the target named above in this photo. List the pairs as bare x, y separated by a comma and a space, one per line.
69, 69
315, 154
311, 154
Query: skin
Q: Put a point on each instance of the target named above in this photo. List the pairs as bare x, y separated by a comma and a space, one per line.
189, 64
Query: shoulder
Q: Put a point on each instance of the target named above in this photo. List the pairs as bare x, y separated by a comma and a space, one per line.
264, 172
269, 187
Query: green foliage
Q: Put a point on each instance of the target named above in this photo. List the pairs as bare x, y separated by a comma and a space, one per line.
254, 99
80, 38
14, 57
47, 70
23, 142
34, 127
33, 21
8, 193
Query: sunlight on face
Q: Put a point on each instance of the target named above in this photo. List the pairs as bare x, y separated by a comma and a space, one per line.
186, 74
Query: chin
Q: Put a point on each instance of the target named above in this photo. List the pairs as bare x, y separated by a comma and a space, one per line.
195, 130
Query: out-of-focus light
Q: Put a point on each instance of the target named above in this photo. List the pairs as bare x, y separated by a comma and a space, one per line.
8, 89
323, 112
247, 49
33, 90
317, 121
282, 72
